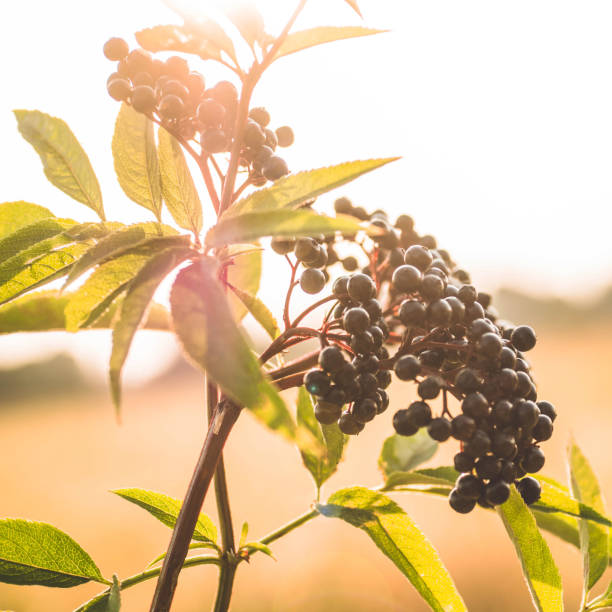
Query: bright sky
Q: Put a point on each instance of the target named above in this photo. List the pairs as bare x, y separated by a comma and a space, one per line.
501, 112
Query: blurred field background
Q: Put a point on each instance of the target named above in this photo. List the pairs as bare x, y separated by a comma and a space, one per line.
63, 452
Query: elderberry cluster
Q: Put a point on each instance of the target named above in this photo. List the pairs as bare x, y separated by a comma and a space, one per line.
448, 340
178, 98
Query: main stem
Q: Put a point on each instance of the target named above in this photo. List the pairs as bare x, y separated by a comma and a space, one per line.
220, 426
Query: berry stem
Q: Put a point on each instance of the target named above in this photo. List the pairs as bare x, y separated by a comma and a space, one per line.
220, 426
298, 365
312, 307
289, 527
292, 284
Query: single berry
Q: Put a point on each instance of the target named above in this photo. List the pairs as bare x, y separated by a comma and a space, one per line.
407, 367
171, 107
383, 400
502, 412
523, 338
284, 136
507, 380
211, 113
526, 414
331, 359
271, 140
406, 279
312, 280
467, 294
419, 413
214, 140
469, 486
362, 343
373, 308
475, 405
488, 467
439, 429
497, 492
403, 423
350, 263
261, 115
478, 444
343, 206
463, 462
143, 99
225, 93
327, 413
548, 409
282, 246
504, 446
361, 287
115, 49
543, 429
440, 313
143, 78
317, 383
430, 387
349, 425
275, 168
119, 89
412, 313
253, 135
463, 427
530, 490
533, 460
356, 320
432, 287
364, 410
460, 503
416, 255
490, 344
467, 380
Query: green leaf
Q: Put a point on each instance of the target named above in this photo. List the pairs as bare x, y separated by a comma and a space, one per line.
38, 553
593, 537
207, 330
253, 546
244, 273
41, 271
259, 310
115, 243
166, 509
244, 532
295, 189
304, 39
539, 568
114, 598
441, 476
321, 458
178, 187
353, 5
65, 163
134, 308
248, 21
192, 546
44, 311
556, 500
177, 38
250, 226
400, 540
14, 215
135, 159
402, 454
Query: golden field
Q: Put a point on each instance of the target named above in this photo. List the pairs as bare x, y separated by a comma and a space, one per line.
62, 455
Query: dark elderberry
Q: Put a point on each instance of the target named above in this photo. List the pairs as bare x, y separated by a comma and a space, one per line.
383, 400
502, 412
543, 429
430, 387
526, 413
362, 343
361, 287
282, 246
416, 255
171, 107
349, 425
364, 410
261, 115
384, 378
469, 486
490, 344
488, 467
497, 492
475, 405
460, 503
211, 113
356, 320
307, 250
407, 367
439, 429
478, 444
331, 359
317, 382
412, 313
327, 413
463, 427
119, 89
523, 338
143, 99
407, 279
403, 424
504, 446
533, 460
275, 168
350, 263
548, 409
432, 287
507, 358
463, 462
373, 308
467, 294
312, 280
367, 363
467, 380
343, 206
530, 490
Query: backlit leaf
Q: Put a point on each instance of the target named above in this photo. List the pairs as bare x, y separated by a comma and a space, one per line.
14, 215
210, 336
38, 553
66, 164
178, 187
176, 38
259, 310
135, 159
248, 21
539, 568
400, 540
244, 273
402, 453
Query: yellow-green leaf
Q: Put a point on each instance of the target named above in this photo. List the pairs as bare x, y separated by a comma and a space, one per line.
304, 39
403, 454
66, 164
135, 159
594, 538
295, 189
14, 215
539, 568
244, 273
178, 187
259, 310
400, 540
286, 222
210, 336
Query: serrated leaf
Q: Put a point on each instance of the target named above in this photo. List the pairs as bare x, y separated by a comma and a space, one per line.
259, 310
303, 222
207, 330
594, 538
354, 6
166, 509
90, 300
41, 271
295, 189
135, 159
15, 215
44, 311
321, 459
66, 164
134, 307
400, 540
539, 568
178, 187
117, 242
244, 273
248, 21
38, 553
402, 453
176, 38
305, 39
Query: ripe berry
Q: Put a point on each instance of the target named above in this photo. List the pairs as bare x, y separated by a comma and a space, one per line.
497, 492
507, 357
406, 224
419, 413
403, 423
331, 359
373, 308
364, 410
317, 383
523, 338
284, 136
350, 263
343, 206
327, 413
504, 446
490, 344
430, 387
543, 429
261, 115
253, 135
282, 246
407, 279
196, 85
383, 400
171, 107
312, 280
488, 467
478, 444
440, 313
349, 425
210, 112
119, 89
362, 343
225, 93
175, 88
533, 460
530, 490
463, 427
469, 486
384, 378
115, 49
416, 255
526, 414
474, 311
432, 287
523, 384
271, 140
340, 287
456, 305
459, 503
439, 429
143, 78
361, 287
507, 380
548, 409
143, 99
275, 168
412, 313
407, 367
467, 380
214, 140
463, 462
467, 294
137, 61
475, 405
356, 320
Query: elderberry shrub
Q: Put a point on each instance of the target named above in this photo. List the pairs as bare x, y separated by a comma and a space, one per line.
175, 97
413, 312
